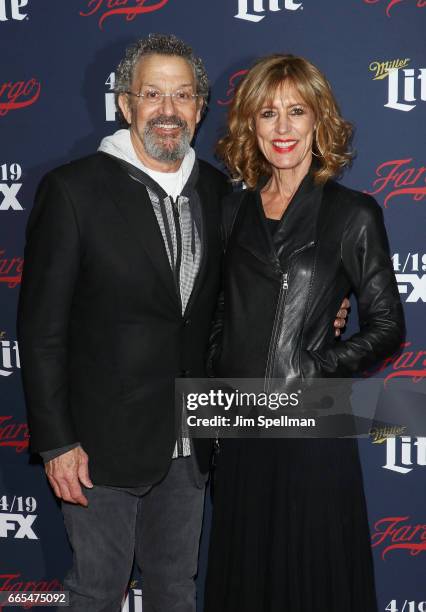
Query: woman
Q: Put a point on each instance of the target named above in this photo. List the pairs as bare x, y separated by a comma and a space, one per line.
290, 530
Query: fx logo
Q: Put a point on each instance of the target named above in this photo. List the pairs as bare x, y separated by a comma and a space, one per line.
11, 9
9, 196
417, 282
11, 173
18, 523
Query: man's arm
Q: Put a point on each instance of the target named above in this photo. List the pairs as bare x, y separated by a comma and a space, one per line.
66, 472
52, 260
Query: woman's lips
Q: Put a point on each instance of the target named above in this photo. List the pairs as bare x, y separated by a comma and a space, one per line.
284, 146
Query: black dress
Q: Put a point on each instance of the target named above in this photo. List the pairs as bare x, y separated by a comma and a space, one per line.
289, 530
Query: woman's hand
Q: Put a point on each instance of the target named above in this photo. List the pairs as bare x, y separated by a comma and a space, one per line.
341, 317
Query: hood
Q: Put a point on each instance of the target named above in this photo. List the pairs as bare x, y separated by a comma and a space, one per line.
120, 145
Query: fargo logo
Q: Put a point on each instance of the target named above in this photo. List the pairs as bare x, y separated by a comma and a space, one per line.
9, 186
391, 3
251, 10
405, 364
129, 9
396, 533
13, 9
10, 270
17, 95
12, 434
399, 177
16, 583
233, 82
405, 85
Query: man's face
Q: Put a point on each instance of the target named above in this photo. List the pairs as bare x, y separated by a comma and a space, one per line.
162, 128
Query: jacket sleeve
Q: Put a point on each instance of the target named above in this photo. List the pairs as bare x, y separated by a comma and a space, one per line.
367, 264
230, 206
52, 255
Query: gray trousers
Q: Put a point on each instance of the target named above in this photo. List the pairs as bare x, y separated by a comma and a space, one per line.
160, 528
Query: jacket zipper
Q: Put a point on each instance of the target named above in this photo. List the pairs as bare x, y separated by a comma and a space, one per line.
278, 315
277, 324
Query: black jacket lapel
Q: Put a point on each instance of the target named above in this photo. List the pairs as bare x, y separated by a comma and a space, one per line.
132, 200
252, 232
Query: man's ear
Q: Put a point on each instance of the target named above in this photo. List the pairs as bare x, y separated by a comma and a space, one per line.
200, 109
124, 104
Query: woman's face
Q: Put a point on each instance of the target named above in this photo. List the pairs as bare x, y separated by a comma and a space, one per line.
285, 130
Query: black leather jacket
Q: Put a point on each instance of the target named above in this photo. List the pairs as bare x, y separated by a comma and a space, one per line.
282, 292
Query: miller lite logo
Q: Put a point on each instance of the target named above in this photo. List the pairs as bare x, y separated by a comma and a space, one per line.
13, 9
10, 187
9, 357
390, 4
255, 10
15, 95
133, 599
399, 178
397, 533
405, 85
382, 69
129, 9
403, 453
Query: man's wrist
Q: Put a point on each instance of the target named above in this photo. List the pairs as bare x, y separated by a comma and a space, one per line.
56, 452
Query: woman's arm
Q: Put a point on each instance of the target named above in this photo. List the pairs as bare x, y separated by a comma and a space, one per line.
365, 258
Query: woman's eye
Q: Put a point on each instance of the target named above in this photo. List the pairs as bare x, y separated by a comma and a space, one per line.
267, 114
297, 110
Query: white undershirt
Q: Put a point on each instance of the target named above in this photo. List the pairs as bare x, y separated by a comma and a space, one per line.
120, 145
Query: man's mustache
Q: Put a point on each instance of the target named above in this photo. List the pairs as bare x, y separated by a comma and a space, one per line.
166, 120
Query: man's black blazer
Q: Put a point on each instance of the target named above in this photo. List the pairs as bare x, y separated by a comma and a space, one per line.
102, 337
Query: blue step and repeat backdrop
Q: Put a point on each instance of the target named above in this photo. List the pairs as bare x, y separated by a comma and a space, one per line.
57, 102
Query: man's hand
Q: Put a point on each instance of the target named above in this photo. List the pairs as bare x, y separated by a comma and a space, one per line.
340, 321
66, 472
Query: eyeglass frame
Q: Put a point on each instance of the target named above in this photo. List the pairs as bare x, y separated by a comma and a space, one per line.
172, 96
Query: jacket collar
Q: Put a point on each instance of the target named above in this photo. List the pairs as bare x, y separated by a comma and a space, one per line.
133, 203
296, 231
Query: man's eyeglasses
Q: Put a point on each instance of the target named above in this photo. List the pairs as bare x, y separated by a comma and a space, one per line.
154, 97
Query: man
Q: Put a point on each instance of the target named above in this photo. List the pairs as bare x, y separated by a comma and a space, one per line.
120, 285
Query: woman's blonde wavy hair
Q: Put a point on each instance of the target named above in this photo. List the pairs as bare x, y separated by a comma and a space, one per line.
239, 149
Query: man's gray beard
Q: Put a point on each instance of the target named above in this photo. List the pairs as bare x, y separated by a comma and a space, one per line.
160, 150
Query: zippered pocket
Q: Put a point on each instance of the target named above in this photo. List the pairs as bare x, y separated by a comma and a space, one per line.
276, 326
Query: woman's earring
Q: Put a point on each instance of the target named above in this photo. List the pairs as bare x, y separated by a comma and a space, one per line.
316, 146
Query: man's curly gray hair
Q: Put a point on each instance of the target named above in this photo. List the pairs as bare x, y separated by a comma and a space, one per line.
161, 44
